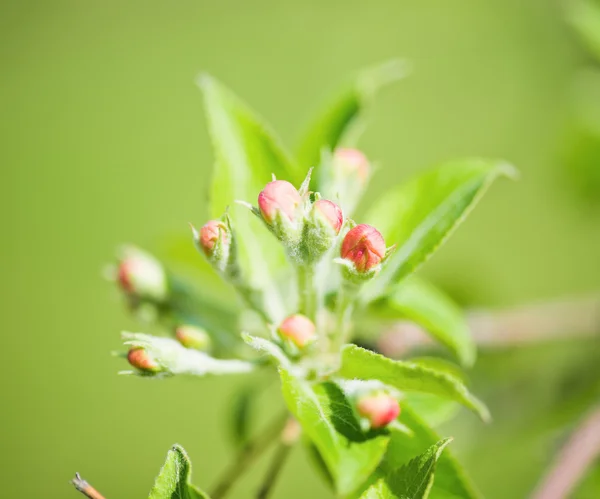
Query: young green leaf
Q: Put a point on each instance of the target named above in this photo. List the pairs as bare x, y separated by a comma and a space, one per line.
174, 359
424, 304
419, 216
173, 481
406, 376
328, 420
335, 121
269, 348
247, 155
450, 479
413, 480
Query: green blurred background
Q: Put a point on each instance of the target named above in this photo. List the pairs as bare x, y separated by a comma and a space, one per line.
103, 142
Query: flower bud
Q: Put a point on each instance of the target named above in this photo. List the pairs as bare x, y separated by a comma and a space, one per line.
364, 248
323, 224
142, 276
140, 358
351, 163
299, 329
379, 409
215, 240
279, 198
193, 337
330, 213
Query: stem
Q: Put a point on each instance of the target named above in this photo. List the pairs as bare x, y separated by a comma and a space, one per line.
344, 308
85, 488
307, 291
248, 454
275, 468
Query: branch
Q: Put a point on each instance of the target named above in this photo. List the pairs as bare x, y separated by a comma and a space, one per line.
573, 460
249, 453
558, 319
85, 488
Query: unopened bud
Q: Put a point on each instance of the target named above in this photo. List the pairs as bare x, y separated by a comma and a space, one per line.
193, 337
279, 198
142, 276
142, 360
215, 240
379, 409
323, 224
299, 329
351, 163
364, 248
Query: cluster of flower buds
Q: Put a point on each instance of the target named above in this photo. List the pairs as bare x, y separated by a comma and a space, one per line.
215, 239
362, 252
141, 276
297, 332
378, 408
307, 229
141, 359
193, 337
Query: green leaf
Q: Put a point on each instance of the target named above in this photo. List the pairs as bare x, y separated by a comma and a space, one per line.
419, 216
584, 16
413, 480
175, 359
328, 420
450, 482
268, 348
334, 122
173, 481
247, 154
407, 376
424, 304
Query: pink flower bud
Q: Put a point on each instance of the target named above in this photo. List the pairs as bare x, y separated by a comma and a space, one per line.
330, 212
141, 359
380, 409
364, 246
193, 337
210, 233
141, 275
351, 162
279, 197
298, 329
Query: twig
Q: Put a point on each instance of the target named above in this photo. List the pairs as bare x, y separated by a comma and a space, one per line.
289, 436
251, 451
569, 318
571, 463
85, 488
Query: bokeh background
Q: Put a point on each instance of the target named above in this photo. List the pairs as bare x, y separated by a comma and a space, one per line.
103, 142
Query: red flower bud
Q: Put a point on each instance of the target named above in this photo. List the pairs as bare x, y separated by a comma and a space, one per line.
279, 197
141, 359
142, 275
210, 233
351, 162
364, 246
330, 212
192, 337
380, 409
298, 329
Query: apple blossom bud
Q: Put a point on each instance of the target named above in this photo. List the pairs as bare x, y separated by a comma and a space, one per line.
279, 198
323, 224
140, 358
351, 163
379, 409
364, 248
193, 337
330, 213
142, 276
299, 329
215, 240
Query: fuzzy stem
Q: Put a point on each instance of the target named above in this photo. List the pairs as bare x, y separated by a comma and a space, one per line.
345, 306
307, 292
246, 457
85, 488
